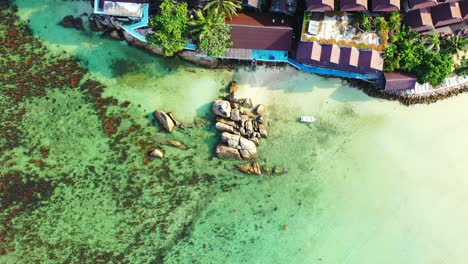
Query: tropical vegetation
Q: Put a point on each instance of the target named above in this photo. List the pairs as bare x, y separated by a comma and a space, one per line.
226, 8
212, 33
421, 56
170, 27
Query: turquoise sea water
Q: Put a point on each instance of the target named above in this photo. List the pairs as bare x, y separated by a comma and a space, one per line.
370, 182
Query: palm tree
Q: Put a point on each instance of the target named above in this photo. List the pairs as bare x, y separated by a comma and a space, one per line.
433, 42
226, 8
454, 44
202, 22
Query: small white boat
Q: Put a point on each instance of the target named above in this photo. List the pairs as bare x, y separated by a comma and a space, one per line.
308, 119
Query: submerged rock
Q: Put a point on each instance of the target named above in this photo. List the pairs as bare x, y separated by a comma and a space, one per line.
265, 169
278, 170
71, 22
165, 120
156, 153
177, 144
222, 108
115, 35
226, 152
250, 168
199, 121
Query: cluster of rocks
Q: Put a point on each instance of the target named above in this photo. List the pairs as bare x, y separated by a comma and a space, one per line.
168, 122
241, 127
254, 168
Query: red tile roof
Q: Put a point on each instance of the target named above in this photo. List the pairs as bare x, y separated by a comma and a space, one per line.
370, 59
353, 5
464, 9
446, 14
419, 20
418, 4
341, 58
349, 56
258, 31
398, 81
320, 5
385, 5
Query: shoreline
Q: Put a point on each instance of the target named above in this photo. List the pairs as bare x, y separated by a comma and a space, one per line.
370, 89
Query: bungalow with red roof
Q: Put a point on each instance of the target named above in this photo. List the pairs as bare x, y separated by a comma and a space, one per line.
394, 81
446, 14
339, 58
259, 36
385, 5
418, 4
349, 56
419, 20
353, 5
370, 59
320, 5
464, 9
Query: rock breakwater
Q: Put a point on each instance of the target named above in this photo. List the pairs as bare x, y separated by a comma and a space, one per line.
240, 125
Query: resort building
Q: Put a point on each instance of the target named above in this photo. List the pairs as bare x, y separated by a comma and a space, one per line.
340, 58
394, 81
427, 15
353, 5
446, 14
419, 20
320, 5
385, 5
464, 9
264, 37
418, 4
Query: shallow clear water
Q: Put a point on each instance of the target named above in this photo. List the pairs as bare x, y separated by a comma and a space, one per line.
370, 182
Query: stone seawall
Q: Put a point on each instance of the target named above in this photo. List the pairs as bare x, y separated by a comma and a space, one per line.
111, 27
409, 99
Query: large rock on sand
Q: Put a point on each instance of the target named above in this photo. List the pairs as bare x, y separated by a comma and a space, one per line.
230, 139
247, 148
165, 120
225, 152
224, 127
222, 108
157, 153
261, 110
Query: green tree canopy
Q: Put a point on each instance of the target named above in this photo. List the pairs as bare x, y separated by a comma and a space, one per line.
408, 52
170, 27
394, 20
226, 8
212, 32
